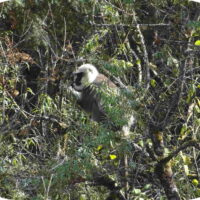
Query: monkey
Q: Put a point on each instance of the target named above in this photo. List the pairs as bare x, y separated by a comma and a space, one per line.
86, 81
86, 87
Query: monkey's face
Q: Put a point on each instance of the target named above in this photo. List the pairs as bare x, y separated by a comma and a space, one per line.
77, 78
78, 81
84, 76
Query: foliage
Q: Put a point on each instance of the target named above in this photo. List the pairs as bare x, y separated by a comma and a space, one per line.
50, 149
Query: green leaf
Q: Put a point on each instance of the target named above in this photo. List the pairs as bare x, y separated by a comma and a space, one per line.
112, 156
82, 197
138, 62
153, 83
183, 129
197, 43
147, 186
195, 182
30, 91
99, 147
136, 191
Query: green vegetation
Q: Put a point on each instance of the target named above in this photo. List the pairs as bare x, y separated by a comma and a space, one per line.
49, 147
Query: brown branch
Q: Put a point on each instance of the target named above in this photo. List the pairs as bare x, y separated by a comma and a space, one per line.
164, 172
191, 143
165, 175
145, 52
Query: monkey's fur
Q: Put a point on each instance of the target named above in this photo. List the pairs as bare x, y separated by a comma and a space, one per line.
87, 81
86, 86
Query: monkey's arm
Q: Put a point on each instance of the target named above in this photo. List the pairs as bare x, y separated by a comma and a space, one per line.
75, 93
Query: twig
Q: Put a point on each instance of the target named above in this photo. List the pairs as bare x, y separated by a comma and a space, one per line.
128, 25
145, 57
139, 66
47, 189
191, 143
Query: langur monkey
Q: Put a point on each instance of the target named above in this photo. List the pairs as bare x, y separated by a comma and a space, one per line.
86, 81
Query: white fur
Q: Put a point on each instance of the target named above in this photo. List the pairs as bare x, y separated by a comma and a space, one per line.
75, 93
91, 74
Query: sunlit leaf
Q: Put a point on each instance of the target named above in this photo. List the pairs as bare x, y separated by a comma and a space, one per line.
153, 83
82, 197
136, 191
129, 64
186, 169
112, 157
195, 182
15, 162
138, 62
99, 147
186, 159
147, 186
197, 43
30, 90
141, 143
183, 132
63, 125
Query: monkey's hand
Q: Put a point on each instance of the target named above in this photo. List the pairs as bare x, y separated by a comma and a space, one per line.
75, 93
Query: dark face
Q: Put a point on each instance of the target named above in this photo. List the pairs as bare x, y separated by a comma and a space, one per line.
77, 78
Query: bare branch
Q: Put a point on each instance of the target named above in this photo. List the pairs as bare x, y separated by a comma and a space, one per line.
128, 25
191, 143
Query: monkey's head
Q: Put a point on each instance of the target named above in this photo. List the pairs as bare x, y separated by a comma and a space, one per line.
84, 76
